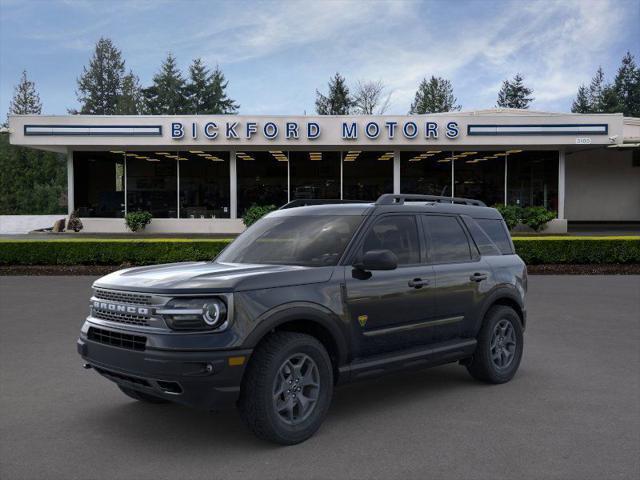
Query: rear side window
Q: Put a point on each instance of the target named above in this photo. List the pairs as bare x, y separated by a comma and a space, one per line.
397, 233
481, 238
447, 241
497, 232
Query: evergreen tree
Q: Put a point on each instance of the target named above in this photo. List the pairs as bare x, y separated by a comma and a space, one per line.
218, 100
100, 85
167, 95
433, 96
206, 91
596, 91
581, 104
338, 101
130, 101
627, 86
514, 94
25, 99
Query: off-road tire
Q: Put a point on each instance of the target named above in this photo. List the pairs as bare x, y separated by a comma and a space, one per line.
256, 402
141, 396
482, 366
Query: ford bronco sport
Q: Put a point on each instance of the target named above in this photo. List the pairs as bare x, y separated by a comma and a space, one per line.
310, 297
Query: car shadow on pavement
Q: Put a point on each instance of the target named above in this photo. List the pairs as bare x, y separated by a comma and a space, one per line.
151, 425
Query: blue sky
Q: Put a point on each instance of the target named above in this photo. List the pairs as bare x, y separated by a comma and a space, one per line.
275, 54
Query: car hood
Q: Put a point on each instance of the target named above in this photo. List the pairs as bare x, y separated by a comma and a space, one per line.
193, 277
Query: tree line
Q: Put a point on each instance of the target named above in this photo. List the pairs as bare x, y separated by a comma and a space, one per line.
33, 181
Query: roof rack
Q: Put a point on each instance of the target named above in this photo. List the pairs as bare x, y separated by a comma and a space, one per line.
399, 199
304, 202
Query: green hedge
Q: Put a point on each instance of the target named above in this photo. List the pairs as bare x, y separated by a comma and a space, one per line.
107, 252
533, 250
578, 250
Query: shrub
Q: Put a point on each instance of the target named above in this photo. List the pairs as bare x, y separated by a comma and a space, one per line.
510, 213
137, 220
74, 223
536, 217
255, 213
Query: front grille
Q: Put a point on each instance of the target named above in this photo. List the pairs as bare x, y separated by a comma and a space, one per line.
117, 339
129, 319
123, 297
115, 376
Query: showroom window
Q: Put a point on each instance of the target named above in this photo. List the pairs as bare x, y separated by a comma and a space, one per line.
426, 172
99, 184
532, 179
479, 175
366, 175
314, 175
262, 179
152, 184
204, 184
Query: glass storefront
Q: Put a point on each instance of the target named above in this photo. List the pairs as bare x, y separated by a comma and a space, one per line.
366, 175
197, 184
261, 179
314, 175
99, 184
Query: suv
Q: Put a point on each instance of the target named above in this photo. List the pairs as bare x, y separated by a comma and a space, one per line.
310, 297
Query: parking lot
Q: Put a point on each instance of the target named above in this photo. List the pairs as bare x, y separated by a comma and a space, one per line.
572, 411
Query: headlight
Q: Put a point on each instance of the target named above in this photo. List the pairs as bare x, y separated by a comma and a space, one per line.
194, 313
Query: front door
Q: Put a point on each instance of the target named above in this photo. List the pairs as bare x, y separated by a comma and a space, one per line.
387, 308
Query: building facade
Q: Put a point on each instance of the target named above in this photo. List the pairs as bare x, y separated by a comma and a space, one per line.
201, 173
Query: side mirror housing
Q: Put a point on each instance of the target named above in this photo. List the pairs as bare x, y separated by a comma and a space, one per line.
378, 260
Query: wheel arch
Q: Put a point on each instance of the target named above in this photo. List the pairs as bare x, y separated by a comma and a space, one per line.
312, 319
508, 298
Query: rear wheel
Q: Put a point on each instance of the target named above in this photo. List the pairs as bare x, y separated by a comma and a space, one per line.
500, 345
141, 396
287, 388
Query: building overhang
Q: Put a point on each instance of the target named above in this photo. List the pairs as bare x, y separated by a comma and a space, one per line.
243, 132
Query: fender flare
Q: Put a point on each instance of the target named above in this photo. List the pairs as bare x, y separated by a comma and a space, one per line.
306, 311
502, 292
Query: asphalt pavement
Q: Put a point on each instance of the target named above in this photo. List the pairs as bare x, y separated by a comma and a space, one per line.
572, 411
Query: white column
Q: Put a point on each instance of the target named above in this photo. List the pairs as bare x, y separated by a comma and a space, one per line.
506, 170
341, 175
453, 176
70, 186
396, 172
233, 185
177, 188
561, 176
288, 176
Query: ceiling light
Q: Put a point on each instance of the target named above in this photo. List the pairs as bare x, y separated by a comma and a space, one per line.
434, 151
131, 154
141, 157
196, 151
116, 151
444, 160
152, 160
162, 153
514, 151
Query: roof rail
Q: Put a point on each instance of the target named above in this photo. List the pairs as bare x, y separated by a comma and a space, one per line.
304, 202
399, 199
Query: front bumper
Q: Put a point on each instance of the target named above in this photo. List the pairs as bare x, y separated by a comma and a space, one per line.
201, 379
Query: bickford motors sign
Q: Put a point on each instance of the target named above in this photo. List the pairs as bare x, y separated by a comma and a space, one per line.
294, 130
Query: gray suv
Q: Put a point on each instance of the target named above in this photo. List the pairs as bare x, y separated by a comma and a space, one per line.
310, 297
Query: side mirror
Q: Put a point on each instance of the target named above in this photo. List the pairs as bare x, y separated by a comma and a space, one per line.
378, 260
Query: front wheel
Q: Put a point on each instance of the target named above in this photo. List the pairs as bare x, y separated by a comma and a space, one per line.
500, 345
287, 388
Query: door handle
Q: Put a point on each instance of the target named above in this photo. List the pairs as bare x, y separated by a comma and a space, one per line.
478, 277
418, 283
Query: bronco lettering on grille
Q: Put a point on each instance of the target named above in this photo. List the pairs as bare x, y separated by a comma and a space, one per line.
117, 308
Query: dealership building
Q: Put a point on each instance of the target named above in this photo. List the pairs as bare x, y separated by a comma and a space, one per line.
200, 173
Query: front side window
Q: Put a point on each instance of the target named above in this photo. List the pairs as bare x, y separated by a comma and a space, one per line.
310, 241
397, 233
447, 241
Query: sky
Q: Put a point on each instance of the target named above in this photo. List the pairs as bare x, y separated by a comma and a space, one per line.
276, 54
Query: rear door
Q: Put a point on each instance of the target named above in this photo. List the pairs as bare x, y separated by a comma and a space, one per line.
461, 276
388, 309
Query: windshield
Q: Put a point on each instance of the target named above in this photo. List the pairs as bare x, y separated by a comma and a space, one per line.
310, 241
